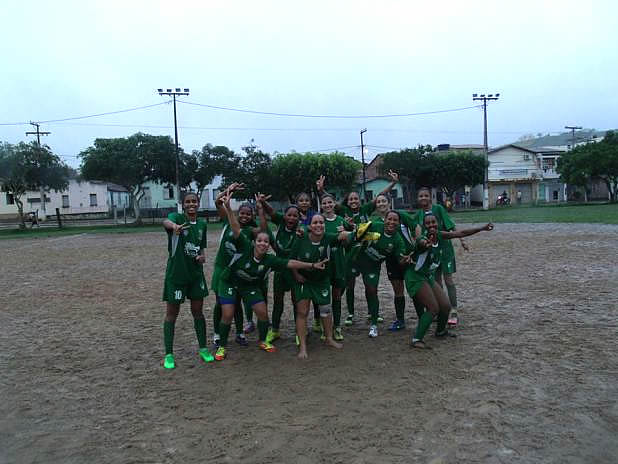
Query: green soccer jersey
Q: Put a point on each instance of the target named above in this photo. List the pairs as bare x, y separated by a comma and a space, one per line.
312, 252
283, 240
386, 246
183, 249
244, 270
445, 223
426, 261
227, 244
359, 217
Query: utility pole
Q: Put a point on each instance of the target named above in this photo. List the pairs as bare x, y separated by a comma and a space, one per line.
573, 129
177, 91
38, 133
363, 161
484, 98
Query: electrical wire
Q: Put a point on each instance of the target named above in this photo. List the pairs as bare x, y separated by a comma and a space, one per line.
87, 116
325, 116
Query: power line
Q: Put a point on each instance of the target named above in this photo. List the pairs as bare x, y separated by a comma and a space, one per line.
87, 116
325, 116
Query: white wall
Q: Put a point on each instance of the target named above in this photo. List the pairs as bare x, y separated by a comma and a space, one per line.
510, 163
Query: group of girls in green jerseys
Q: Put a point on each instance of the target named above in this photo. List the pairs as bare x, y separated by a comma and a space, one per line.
317, 258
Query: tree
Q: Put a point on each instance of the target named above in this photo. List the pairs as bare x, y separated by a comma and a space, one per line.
573, 167
454, 170
412, 165
131, 162
213, 161
296, 172
26, 167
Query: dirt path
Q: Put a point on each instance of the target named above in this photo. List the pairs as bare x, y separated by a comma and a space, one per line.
532, 377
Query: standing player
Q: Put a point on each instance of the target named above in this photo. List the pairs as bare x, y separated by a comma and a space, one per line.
447, 262
184, 276
420, 280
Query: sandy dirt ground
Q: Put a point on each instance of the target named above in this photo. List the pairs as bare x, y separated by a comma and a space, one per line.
532, 376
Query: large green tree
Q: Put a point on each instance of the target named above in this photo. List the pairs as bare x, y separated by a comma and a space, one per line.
454, 170
131, 162
213, 161
28, 166
573, 167
412, 165
296, 172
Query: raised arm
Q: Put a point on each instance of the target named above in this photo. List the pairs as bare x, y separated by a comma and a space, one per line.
259, 205
219, 200
467, 232
394, 179
231, 217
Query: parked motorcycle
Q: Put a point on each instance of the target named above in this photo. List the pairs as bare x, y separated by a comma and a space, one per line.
503, 200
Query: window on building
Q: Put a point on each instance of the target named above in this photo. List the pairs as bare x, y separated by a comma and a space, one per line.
555, 195
168, 192
34, 200
65, 201
93, 199
526, 157
10, 199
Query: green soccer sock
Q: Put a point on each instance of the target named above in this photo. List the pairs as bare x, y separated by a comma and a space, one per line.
373, 304
224, 332
423, 324
248, 312
216, 317
200, 331
349, 298
452, 295
400, 308
262, 329
277, 312
168, 336
419, 308
442, 320
337, 313
238, 318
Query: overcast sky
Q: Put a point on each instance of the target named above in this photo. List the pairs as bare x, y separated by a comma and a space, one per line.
554, 64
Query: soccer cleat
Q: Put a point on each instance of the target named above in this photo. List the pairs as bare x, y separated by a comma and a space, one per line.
338, 334
215, 341
205, 355
250, 327
220, 354
168, 361
397, 325
373, 331
322, 334
297, 341
349, 320
317, 327
380, 319
453, 319
242, 340
267, 347
272, 335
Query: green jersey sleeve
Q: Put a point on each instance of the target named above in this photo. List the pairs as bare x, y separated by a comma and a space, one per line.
273, 262
277, 218
447, 222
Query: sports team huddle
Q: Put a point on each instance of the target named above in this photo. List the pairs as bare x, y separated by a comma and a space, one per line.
316, 257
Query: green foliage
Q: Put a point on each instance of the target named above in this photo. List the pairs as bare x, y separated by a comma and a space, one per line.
131, 162
30, 167
599, 160
296, 172
212, 161
455, 170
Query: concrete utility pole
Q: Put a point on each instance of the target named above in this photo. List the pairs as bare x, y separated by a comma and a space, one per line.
38, 133
173, 94
573, 129
484, 98
363, 161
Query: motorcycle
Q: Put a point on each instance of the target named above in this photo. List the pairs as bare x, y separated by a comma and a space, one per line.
503, 200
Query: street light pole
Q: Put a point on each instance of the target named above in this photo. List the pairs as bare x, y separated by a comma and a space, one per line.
173, 93
363, 161
38, 133
484, 98
573, 129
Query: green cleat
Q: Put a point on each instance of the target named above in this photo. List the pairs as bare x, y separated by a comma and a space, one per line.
338, 334
349, 320
317, 327
297, 341
168, 361
220, 354
206, 356
272, 335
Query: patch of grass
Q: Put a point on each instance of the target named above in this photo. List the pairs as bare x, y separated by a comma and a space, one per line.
581, 213
46, 232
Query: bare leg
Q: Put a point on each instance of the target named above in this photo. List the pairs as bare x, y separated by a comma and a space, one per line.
302, 310
327, 323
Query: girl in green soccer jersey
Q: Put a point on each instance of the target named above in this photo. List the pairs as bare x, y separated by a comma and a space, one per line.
367, 261
244, 276
314, 285
184, 276
447, 263
420, 281
333, 225
226, 251
282, 243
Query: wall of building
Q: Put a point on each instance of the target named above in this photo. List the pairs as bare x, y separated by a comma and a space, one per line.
512, 163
